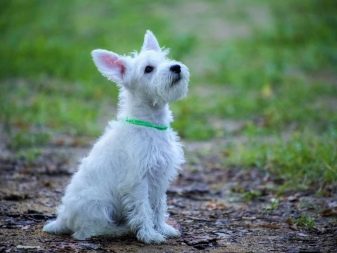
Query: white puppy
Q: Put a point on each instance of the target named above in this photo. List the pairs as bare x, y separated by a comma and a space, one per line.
121, 185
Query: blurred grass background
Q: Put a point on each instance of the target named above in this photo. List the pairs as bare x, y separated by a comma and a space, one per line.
264, 75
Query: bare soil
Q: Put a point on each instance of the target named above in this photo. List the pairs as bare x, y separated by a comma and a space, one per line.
217, 209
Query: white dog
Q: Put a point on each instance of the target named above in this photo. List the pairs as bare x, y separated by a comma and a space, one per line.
121, 185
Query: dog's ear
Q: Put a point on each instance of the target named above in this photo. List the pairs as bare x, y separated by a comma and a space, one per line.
111, 65
150, 42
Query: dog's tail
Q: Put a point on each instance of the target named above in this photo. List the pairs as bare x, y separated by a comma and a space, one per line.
57, 226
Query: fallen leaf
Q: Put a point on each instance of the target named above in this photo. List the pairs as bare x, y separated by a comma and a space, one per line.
214, 205
291, 224
201, 242
329, 212
293, 198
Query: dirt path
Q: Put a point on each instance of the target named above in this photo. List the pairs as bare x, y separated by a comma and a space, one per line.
217, 209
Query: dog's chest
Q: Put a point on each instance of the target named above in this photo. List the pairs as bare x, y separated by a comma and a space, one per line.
160, 154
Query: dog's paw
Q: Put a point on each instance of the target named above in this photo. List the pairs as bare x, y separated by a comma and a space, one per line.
168, 231
149, 236
51, 227
55, 227
81, 235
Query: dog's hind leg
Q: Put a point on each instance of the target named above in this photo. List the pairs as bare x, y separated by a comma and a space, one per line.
96, 218
57, 226
103, 230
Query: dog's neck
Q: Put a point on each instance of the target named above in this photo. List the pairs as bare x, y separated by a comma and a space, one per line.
131, 106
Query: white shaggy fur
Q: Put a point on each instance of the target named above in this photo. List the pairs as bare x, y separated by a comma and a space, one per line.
121, 185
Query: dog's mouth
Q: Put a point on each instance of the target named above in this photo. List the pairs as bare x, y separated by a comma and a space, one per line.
175, 80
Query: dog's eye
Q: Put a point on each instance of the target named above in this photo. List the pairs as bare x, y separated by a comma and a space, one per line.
148, 69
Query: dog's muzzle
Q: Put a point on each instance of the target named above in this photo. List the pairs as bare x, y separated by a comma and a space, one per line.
176, 74
176, 79
175, 68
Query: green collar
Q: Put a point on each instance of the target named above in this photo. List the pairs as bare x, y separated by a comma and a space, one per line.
146, 124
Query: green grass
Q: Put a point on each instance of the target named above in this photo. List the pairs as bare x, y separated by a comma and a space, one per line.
22, 140
305, 221
301, 159
274, 71
273, 205
251, 195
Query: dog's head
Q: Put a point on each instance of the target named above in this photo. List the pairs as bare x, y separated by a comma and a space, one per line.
150, 74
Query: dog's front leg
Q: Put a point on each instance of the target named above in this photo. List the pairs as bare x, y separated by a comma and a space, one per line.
140, 214
158, 202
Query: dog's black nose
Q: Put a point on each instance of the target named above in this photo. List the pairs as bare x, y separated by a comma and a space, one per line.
175, 68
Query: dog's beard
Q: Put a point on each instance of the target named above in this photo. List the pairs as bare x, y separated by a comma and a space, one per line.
175, 80
177, 89
174, 87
